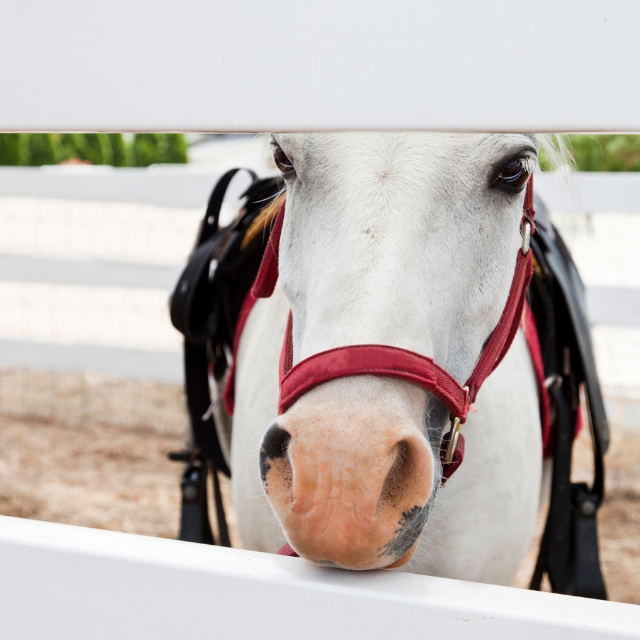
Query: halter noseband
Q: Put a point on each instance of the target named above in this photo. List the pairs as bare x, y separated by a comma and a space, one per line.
388, 361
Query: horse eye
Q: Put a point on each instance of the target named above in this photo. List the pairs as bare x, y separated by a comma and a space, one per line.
282, 161
515, 174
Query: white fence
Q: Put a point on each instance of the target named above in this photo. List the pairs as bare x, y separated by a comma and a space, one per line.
71, 583
189, 186
257, 65
164, 185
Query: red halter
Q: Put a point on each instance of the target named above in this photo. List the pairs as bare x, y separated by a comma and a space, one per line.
384, 360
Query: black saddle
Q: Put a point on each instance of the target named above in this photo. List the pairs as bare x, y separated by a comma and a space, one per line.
569, 548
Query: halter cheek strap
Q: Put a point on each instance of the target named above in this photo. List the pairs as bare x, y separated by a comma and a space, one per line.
388, 361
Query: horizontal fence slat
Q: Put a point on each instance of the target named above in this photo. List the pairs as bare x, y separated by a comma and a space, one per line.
85, 583
87, 271
249, 65
161, 366
613, 306
190, 186
590, 191
605, 305
168, 185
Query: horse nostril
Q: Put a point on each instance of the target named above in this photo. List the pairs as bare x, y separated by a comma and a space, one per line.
274, 445
399, 476
275, 442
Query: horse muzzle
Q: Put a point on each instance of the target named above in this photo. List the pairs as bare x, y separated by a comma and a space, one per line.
349, 474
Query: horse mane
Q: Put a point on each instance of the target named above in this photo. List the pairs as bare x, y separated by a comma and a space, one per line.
557, 152
264, 219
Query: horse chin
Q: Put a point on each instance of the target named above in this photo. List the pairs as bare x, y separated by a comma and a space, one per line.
351, 487
395, 553
372, 566
357, 550
402, 560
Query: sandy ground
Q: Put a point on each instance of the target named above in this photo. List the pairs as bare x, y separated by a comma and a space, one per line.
113, 473
618, 519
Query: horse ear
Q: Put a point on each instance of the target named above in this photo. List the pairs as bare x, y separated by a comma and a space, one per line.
267, 277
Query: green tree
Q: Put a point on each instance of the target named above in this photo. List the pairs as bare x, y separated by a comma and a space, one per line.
172, 148
118, 150
39, 149
10, 149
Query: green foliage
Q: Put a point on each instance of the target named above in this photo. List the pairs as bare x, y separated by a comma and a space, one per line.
172, 148
153, 148
605, 152
118, 150
145, 149
10, 149
601, 152
70, 146
98, 148
543, 160
39, 149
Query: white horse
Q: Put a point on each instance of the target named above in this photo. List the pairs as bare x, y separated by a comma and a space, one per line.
409, 240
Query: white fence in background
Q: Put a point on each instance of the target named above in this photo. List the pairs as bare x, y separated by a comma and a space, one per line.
163, 185
188, 186
68, 582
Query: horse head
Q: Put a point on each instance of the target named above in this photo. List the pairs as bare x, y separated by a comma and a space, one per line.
407, 240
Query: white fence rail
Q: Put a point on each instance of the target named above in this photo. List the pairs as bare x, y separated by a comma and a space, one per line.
254, 65
163, 185
590, 191
64, 582
190, 186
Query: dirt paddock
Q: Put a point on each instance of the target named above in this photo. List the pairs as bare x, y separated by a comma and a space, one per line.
116, 476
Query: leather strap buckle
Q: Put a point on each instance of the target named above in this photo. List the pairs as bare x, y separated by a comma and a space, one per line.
454, 434
526, 237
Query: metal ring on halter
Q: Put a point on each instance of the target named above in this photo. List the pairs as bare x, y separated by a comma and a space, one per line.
526, 238
453, 440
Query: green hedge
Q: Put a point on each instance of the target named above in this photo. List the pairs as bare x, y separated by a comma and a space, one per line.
605, 152
36, 149
152, 148
118, 150
615, 152
11, 149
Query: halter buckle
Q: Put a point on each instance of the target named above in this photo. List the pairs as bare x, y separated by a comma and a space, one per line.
526, 237
454, 433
